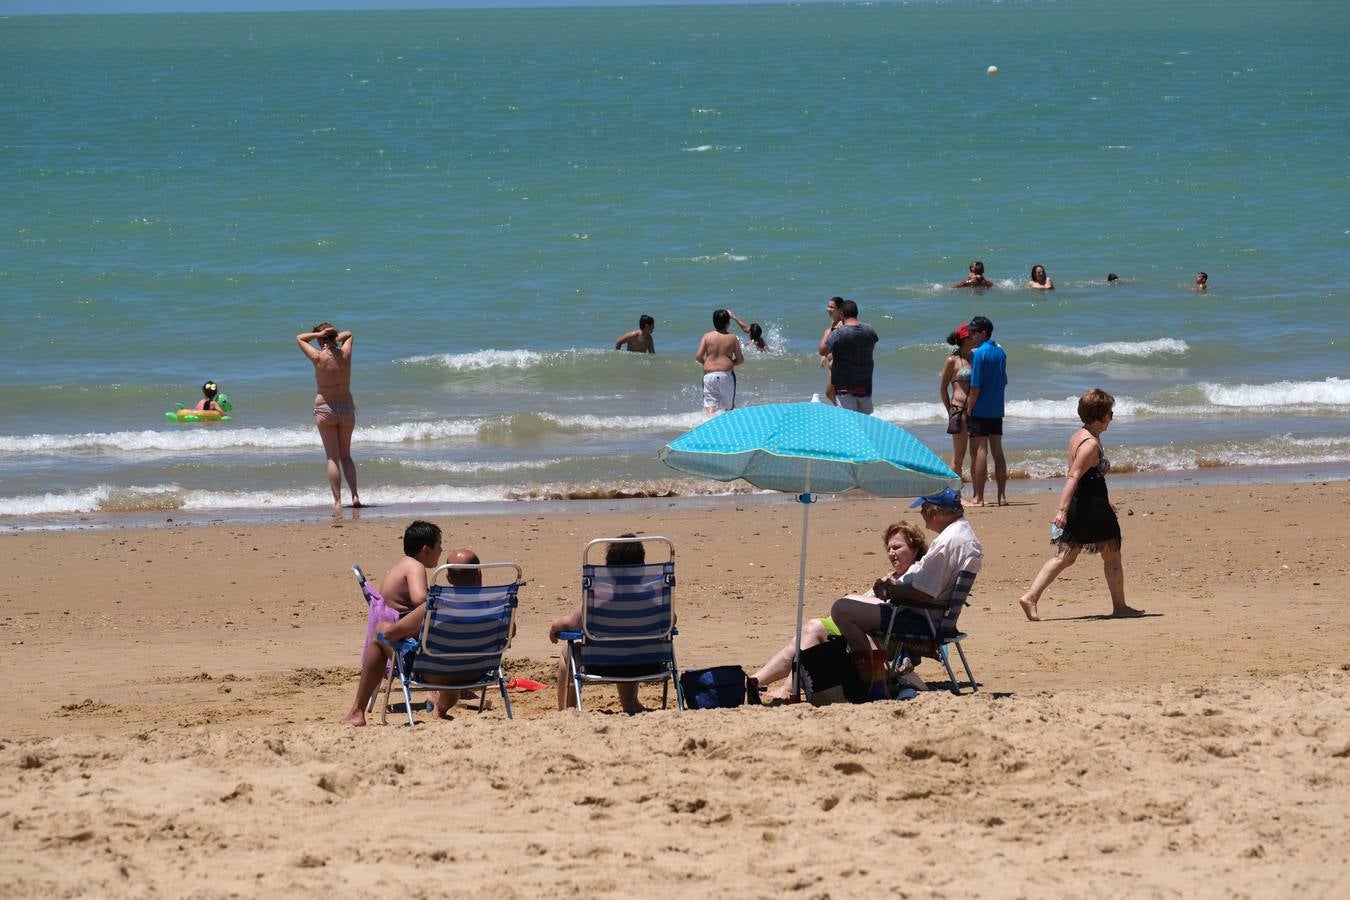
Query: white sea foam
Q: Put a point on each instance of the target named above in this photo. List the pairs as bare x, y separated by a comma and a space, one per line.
909, 413
1278, 450
1157, 347
707, 258
107, 499
701, 148
666, 422
469, 468
1330, 391
479, 359
216, 438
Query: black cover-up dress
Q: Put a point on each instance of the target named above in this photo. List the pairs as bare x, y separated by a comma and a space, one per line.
1091, 524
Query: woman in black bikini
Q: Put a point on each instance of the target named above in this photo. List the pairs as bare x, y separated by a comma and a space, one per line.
1086, 520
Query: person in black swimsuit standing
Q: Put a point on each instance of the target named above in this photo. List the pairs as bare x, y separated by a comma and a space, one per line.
1086, 520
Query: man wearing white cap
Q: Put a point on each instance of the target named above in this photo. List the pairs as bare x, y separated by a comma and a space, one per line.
929, 581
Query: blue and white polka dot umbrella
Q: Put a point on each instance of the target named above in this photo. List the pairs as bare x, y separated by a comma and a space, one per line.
805, 448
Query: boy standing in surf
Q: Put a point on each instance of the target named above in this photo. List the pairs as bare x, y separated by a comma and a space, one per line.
719, 353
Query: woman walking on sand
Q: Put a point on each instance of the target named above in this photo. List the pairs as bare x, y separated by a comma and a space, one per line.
1086, 520
334, 409
956, 379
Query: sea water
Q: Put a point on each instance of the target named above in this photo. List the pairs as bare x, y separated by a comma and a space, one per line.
488, 198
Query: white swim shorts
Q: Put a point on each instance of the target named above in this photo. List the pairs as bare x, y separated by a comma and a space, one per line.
719, 390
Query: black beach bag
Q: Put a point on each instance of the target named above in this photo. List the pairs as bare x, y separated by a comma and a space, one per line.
829, 676
716, 688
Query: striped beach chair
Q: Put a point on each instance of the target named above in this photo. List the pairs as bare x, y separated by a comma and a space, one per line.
940, 633
465, 632
627, 631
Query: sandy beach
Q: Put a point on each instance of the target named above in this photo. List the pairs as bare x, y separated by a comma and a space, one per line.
171, 701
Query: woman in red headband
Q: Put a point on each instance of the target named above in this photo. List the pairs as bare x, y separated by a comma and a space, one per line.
954, 387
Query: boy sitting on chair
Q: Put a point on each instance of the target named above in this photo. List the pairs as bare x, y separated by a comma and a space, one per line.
404, 589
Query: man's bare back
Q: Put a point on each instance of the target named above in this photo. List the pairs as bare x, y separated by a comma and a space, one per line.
719, 352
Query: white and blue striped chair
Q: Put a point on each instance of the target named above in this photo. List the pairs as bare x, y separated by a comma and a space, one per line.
941, 632
465, 632
627, 631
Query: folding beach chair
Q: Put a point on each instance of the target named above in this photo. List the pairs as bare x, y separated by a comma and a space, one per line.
465, 632
932, 641
627, 623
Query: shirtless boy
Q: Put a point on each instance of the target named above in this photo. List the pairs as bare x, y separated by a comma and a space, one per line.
404, 589
639, 341
719, 353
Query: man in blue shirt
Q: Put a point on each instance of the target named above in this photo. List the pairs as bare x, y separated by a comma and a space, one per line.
984, 410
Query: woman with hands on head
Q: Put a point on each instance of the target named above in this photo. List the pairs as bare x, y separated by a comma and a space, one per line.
334, 409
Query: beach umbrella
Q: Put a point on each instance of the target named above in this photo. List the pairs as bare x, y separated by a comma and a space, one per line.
808, 448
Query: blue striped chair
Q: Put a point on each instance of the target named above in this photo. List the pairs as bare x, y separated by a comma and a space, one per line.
941, 632
628, 630
465, 632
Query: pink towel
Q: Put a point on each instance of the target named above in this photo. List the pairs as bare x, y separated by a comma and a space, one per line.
379, 618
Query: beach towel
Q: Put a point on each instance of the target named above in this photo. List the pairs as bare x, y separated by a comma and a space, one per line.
378, 618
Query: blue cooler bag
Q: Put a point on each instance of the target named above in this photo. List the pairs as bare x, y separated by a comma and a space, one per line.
715, 688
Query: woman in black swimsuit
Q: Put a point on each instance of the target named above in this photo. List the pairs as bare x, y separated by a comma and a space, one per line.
1086, 520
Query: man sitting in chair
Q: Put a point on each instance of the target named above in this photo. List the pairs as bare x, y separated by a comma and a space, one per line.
404, 588
617, 554
930, 580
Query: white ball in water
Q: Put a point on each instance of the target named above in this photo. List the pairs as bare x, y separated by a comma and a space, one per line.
992, 70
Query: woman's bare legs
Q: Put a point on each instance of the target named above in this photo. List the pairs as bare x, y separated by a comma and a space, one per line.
337, 446
1048, 573
1114, 568
344, 430
328, 433
959, 442
780, 665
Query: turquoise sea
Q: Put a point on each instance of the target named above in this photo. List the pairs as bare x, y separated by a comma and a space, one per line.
487, 198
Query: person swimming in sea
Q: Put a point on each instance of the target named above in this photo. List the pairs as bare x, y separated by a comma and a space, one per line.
753, 331
208, 401
639, 340
976, 277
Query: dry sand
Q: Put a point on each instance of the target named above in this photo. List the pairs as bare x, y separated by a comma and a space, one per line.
168, 719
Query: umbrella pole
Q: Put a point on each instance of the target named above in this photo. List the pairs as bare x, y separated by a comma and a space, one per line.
805, 499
